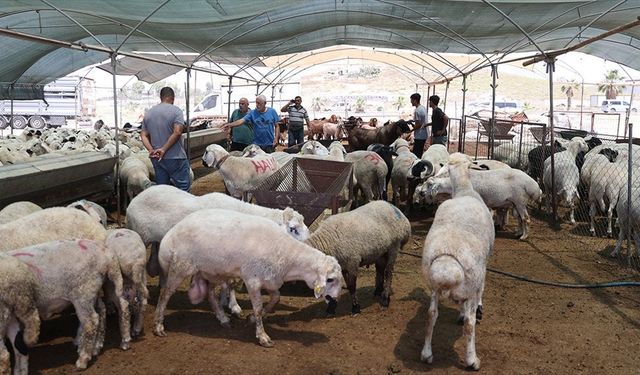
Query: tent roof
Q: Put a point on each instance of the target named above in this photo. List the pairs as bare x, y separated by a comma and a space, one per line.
244, 32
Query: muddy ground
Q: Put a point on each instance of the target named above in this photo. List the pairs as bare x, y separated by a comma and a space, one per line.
527, 328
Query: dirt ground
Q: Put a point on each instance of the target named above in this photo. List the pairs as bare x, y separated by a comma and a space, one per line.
527, 328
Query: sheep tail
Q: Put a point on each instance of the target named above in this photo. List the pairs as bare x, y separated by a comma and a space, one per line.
446, 273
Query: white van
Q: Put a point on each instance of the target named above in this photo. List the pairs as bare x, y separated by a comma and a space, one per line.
616, 105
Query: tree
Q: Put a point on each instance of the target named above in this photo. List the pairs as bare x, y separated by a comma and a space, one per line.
360, 103
568, 89
610, 88
399, 102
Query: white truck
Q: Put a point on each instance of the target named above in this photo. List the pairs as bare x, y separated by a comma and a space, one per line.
208, 113
64, 99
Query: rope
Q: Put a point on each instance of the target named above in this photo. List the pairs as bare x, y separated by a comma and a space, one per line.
553, 283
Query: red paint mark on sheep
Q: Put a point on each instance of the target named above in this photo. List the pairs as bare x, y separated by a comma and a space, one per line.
374, 158
22, 255
82, 245
264, 165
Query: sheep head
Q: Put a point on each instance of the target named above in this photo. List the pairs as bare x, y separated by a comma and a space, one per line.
328, 282
294, 224
252, 150
213, 155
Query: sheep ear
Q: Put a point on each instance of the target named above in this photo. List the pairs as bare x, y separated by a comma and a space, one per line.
287, 214
428, 168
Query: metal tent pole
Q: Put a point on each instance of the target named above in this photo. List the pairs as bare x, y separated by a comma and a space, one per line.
581, 100
629, 169
492, 128
463, 121
554, 201
115, 119
229, 91
273, 94
13, 94
187, 99
626, 117
446, 92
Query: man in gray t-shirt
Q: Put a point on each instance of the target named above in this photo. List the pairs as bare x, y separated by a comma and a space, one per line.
162, 128
421, 132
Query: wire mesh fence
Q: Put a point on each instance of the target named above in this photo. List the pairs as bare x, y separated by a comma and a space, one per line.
593, 174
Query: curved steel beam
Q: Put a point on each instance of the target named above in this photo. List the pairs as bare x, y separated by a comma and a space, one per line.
133, 30
504, 15
594, 20
74, 21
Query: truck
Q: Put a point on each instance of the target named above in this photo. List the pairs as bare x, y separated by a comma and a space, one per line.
208, 113
67, 98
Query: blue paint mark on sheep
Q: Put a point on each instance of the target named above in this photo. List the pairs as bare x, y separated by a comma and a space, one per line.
398, 212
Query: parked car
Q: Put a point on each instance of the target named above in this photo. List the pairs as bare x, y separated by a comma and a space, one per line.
616, 105
508, 106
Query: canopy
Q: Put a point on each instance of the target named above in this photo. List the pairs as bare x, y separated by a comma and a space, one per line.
75, 33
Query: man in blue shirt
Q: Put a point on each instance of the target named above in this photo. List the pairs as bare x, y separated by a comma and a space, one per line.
265, 124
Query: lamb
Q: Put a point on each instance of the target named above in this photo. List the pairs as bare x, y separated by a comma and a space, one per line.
17, 210
73, 272
240, 174
93, 209
455, 256
134, 176
131, 253
56, 223
19, 293
377, 232
157, 209
204, 245
401, 172
369, 172
499, 188
567, 175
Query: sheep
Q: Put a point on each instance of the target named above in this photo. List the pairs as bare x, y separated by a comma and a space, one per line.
204, 245
401, 172
131, 253
606, 181
19, 319
240, 175
386, 153
369, 173
134, 176
337, 151
314, 148
628, 221
455, 256
437, 155
157, 209
332, 131
17, 210
499, 188
56, 223
74, 272
536, 158
567, 175
360, 138
12, 155
377, 232
94, 210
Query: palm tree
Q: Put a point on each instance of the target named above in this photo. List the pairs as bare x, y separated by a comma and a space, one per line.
360, 103
610, 87
568, 89
399, 102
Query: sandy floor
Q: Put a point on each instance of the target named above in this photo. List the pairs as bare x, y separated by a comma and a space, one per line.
527, 328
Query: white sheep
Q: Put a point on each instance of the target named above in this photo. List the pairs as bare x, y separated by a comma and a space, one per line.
19, 319
401, 172
94, 210
508, 154
455, 256
132, 257
240, 174
205, 245
56, 223
499, 189
567, 175
73, 272
369, 174
377, 231
437, 155
134, 176
17, 210
628, 221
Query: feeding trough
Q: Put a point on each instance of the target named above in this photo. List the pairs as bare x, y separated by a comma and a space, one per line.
309, 186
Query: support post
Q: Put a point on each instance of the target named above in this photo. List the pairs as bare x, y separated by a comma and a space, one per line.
13, 94
554, 200
628, 113
115, 125
629, 179
229, 91
187, 99
492, 128
463, 121
273, 94
581, 101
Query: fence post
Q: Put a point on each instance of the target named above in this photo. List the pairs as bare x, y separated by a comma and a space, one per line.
520, 143
629, 164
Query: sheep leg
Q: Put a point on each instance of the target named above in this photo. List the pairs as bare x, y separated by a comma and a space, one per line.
172, 283
432, 315
569, 200
253, 287
219, 311
592, 218
5, 360
351, 279
469, 330
88, 318
102, 322
621, 235
610, 219
153, 265
381, 264
523, 221
388, 275
142, 293
274, 298
228, 297
21, 351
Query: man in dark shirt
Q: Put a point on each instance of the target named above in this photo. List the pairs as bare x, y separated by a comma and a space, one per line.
439, 122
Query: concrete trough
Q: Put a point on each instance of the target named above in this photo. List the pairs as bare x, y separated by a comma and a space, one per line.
201, 139
57, 180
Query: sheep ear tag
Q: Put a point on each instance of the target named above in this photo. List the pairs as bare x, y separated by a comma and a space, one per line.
317, 291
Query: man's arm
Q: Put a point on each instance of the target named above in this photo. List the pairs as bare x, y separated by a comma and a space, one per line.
277, 136
285, 108
146, 141
230, 125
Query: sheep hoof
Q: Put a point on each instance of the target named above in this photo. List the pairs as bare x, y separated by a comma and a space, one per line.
377, 292
475, 366
426, 358
159, 330
593, 232
384, 301
124, 345
266, 342
137, 333
82, 362
355, 309
479, 312
237, 311
460, 320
